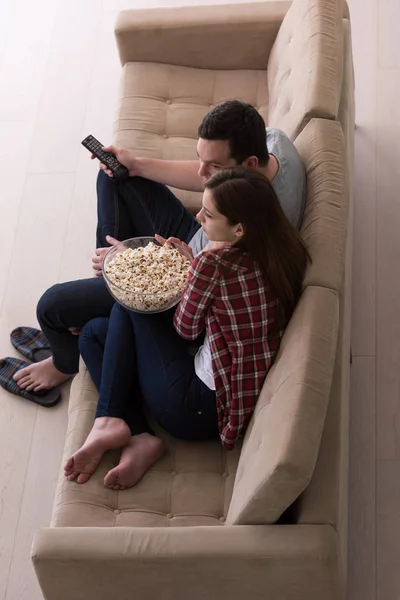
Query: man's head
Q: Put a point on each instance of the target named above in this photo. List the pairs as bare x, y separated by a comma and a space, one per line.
233, 133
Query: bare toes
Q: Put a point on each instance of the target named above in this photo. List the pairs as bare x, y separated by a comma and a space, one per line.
69, 464
83, 477
39, 388
24, 384
111, 479
19, 375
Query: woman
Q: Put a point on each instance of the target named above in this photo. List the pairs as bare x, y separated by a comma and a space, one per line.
241, 292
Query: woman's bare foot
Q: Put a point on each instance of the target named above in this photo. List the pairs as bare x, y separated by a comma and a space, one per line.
136, 458
40, 376
106, 433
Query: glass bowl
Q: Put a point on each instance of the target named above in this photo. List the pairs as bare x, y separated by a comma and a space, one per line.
141, 302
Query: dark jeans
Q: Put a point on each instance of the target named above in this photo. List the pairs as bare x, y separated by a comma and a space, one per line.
135, 359
126, 209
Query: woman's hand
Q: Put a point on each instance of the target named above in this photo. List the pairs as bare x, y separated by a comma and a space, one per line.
183, 248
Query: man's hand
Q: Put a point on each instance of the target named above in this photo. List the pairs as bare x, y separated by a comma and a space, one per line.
97, 260
75, 330
183, 248
125, 157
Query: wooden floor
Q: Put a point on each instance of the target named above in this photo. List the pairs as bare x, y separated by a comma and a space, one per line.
59, 75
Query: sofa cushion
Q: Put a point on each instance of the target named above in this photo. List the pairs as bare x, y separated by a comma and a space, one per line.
162, 106
281, 445
324, 227
305, 65
191, 485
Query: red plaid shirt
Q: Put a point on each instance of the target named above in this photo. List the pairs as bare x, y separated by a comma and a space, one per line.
226, 295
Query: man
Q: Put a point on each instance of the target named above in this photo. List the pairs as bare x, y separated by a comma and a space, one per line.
233, 133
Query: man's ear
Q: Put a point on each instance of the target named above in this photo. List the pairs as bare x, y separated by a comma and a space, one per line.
251, 162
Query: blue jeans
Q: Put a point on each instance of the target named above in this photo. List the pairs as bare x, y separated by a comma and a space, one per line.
137, 359
125, 209
138, 207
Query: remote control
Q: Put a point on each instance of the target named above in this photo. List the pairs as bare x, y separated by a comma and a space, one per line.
107, 158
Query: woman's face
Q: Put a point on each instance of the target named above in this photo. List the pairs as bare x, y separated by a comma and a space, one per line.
216, 226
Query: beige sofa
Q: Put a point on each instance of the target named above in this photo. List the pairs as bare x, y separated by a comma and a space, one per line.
268, 520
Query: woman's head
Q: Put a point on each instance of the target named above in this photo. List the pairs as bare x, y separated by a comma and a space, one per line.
238, 203
215, 222
241, 204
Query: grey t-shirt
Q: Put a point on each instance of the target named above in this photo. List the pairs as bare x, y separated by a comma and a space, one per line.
289, 183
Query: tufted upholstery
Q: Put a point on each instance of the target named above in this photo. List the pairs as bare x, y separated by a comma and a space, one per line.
191, 485
162, 107
305, 65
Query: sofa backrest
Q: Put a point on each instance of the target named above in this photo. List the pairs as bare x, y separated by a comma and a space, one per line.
305, 65
282, 443
324, 227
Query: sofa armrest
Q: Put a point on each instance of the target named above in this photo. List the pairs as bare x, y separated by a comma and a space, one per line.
238, 36
291, 562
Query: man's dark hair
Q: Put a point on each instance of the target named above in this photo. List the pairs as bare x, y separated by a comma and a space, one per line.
242, 126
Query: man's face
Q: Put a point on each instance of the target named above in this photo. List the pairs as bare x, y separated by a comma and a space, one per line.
214, 155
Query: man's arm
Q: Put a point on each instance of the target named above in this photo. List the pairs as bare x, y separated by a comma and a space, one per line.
182, 174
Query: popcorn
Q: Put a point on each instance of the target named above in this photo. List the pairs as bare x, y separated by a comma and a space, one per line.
148, 279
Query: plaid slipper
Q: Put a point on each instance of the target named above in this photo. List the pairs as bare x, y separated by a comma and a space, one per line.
31, 343
8, 368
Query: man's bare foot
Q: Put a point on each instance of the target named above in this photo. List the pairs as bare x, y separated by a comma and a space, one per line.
106, 433
40, 376
136, 458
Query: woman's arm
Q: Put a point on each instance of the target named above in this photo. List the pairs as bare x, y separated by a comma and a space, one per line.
189, 319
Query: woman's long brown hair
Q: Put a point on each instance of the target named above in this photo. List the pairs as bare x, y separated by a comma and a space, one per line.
245, 196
